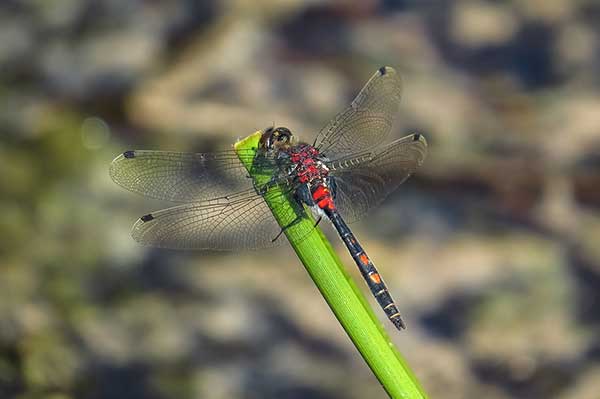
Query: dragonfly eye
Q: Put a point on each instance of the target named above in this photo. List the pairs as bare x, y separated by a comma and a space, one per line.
275, 138
282, 135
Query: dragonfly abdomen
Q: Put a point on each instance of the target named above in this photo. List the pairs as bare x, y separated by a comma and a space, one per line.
367, 269
322, 197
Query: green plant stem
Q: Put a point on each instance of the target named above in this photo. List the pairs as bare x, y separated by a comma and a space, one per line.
339, 290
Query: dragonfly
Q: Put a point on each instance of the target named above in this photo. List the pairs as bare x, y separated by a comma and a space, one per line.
347, 170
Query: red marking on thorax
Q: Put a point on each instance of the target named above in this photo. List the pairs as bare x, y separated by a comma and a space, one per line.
310, 170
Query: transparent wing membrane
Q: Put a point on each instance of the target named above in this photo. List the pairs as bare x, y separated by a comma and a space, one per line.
181, 177
368, 120
240, 221
243, 222
364, 180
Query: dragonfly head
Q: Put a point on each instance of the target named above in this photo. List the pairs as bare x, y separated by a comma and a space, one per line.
277, 138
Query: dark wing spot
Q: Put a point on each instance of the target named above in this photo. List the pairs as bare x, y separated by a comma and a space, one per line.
416, 137
147, 218
129, 154
382, 70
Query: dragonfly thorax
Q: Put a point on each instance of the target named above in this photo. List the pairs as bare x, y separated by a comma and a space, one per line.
307, 165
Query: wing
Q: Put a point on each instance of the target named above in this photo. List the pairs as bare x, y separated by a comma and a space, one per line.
181, 177
240, 221
368, 120
364, 180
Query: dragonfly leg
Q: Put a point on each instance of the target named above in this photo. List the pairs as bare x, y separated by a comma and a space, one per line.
284, 228
278, 235
318, 221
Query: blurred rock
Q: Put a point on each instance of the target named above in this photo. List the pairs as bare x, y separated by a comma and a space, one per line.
490, 248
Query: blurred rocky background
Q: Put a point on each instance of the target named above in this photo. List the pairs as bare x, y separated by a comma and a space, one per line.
490, 249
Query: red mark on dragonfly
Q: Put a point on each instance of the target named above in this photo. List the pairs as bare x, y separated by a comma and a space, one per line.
308, 169
322, 196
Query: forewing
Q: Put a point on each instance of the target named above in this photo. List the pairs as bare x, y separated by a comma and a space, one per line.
364, 180
179, 176
368, 120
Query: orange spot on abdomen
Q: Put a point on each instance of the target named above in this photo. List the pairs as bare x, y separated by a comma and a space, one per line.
364, 259
375, 277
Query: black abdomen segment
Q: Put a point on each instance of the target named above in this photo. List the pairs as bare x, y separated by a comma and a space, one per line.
367, 269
